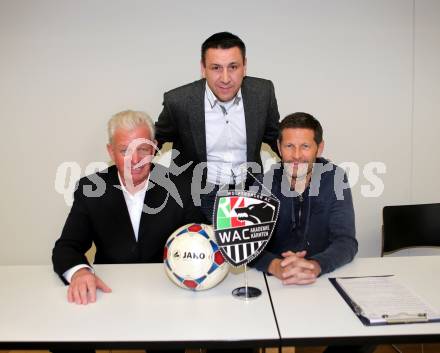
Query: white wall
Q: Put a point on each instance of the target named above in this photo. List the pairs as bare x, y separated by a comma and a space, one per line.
368, 69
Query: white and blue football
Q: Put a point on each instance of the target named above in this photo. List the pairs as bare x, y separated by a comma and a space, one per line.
193, 259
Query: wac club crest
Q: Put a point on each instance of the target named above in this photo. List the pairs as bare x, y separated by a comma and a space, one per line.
243, 224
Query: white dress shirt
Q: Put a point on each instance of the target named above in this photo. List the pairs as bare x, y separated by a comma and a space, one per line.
135, 204
226, 148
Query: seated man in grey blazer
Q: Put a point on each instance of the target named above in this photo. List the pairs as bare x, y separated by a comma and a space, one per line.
220, 120
128, 210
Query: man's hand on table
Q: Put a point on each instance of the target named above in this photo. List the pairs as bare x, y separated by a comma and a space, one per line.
83, 286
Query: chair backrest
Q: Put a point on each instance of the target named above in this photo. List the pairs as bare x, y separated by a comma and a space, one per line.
408, 226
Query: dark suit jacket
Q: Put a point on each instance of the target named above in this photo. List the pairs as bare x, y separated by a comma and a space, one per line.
105, 221
182, 120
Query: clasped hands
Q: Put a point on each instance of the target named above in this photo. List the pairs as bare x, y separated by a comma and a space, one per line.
294, 268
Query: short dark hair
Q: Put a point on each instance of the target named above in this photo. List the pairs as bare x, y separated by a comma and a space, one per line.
223, 40
301, 120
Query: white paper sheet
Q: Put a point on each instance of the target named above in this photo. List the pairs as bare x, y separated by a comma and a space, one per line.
384, 299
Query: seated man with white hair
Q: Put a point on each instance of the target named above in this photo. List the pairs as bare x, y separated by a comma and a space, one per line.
127, 210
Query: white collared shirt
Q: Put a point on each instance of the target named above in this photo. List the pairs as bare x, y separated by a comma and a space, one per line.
226, 147
135, 204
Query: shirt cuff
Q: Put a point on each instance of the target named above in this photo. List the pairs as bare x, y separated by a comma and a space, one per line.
70, 272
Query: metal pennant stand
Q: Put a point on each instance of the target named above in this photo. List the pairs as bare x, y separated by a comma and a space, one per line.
246, 292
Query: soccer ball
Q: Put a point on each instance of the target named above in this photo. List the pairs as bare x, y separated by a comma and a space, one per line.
193, 259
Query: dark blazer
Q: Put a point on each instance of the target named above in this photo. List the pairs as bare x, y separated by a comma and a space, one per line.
103, 219
182, 120
326, 229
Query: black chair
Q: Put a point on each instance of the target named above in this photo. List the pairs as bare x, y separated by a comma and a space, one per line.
409, 226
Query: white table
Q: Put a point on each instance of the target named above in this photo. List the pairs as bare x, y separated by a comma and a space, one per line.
145, 310
317, 315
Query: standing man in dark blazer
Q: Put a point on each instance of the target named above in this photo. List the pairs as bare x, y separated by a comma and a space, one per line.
128, 210
221, 120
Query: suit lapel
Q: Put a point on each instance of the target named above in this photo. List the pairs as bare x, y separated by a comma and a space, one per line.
250, 114
196, 111
117, 206
154, 201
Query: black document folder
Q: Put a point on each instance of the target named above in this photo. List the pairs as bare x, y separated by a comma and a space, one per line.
383, 300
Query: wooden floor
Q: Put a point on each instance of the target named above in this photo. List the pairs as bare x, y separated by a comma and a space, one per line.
405, 348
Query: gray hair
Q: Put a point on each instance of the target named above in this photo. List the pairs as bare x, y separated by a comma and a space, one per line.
129, 120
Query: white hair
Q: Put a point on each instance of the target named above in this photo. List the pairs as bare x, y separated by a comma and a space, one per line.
129, 120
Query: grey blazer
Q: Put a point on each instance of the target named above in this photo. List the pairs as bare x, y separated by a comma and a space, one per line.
182, 120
